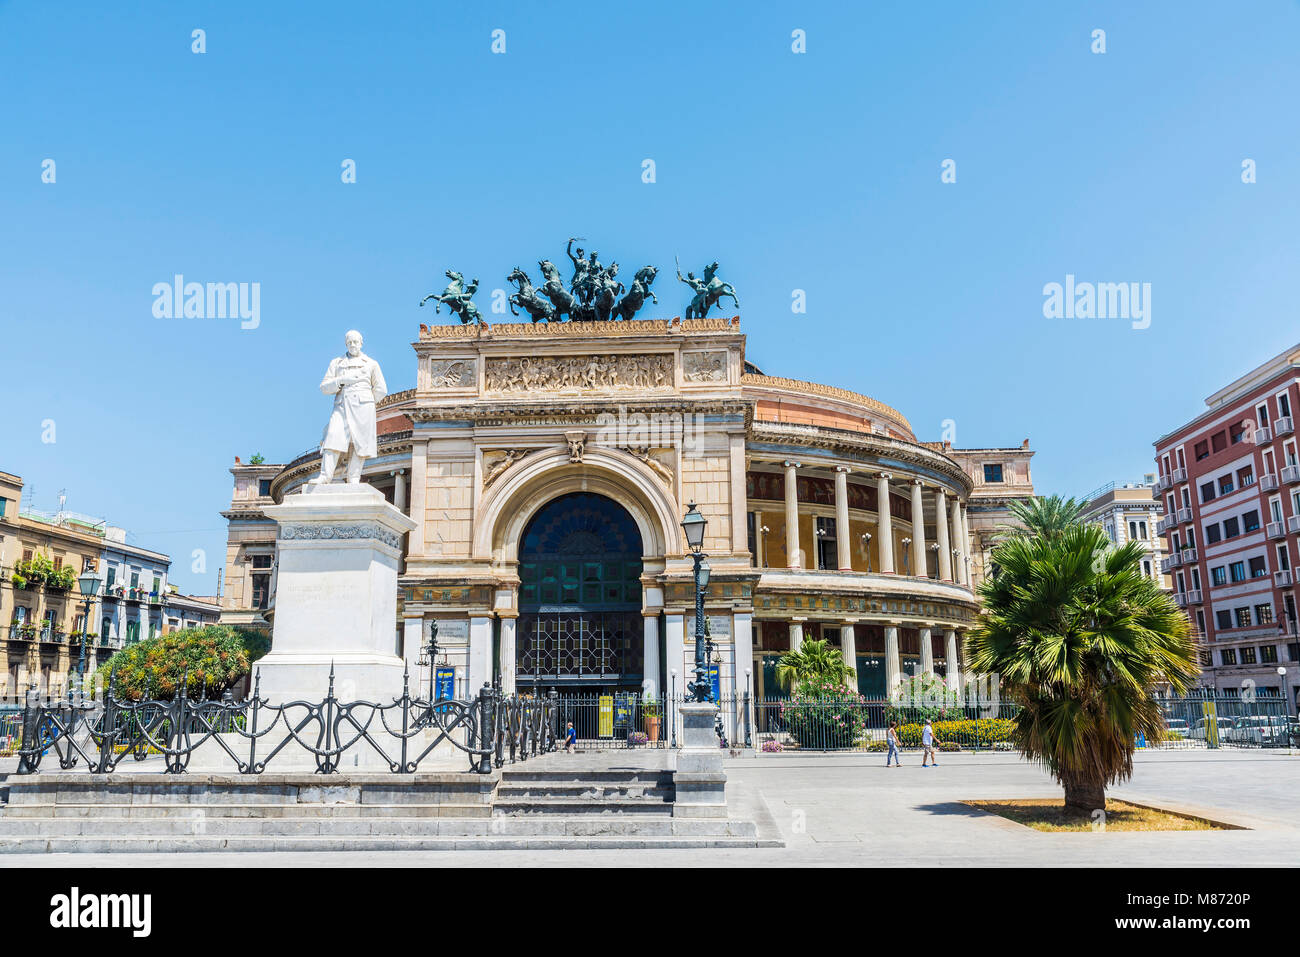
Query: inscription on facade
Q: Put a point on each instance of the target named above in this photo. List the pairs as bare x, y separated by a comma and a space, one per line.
578, 373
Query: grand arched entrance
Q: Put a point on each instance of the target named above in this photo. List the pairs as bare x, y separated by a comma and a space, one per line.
580, 623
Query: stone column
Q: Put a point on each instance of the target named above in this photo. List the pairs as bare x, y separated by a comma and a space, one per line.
480, 655
849, 646
918, 531
675, 653
969, 562
399, 490
760, 541
941, 531
507, 663
414, 634
885, 530
953, 679
959, 575
650, 670
419, 476
893, 665
793, 557
796, 633
927, 652
842, 543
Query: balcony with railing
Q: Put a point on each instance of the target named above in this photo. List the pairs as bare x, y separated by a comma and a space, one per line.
1189, 556
1184, 515
1275, 530
1165, 524
1194, 596
1180, 475
1282, 578
1169, 564
1293, 524
1269, 482
1291, 474
1163, 484
1283, 426
1263, 434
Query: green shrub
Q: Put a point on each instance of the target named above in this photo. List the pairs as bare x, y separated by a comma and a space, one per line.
921, 698
968, 732
211, 659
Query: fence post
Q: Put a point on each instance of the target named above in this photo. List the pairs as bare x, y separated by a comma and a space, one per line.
484, 722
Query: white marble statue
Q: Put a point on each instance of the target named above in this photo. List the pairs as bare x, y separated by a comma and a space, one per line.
358, 387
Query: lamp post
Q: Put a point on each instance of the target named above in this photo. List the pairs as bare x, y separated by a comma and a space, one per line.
866, 547
693, 525
763, 531
431, 650
907, 551
934, 547
88, 582
821, 534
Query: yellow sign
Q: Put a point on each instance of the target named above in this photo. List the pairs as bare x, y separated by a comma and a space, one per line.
606, 716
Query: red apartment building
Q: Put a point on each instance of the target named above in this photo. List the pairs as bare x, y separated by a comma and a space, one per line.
1230, 482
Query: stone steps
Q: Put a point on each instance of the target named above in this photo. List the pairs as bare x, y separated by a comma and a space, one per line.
592, 791
175, 845
118, 812
25, 830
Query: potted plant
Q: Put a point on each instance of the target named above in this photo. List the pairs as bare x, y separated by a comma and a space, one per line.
653, 713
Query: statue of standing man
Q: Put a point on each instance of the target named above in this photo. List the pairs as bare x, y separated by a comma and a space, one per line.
358, 387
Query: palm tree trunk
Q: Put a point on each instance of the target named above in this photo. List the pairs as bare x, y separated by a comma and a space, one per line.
1083, 793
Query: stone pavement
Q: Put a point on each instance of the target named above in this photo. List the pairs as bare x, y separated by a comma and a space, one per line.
836, 810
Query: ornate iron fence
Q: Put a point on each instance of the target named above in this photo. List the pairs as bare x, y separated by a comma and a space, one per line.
491, 728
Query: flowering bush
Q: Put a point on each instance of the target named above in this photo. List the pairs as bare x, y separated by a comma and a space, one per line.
923, 698
637, 738
985, 731
772, 747
821, 714
211, 659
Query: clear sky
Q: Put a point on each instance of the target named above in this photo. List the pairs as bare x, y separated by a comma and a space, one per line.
818, 171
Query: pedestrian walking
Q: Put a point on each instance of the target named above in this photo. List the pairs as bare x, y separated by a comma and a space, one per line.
891, 738
928, 742
570, 738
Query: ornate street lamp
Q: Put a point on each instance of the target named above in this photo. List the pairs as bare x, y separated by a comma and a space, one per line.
431, 649
866, 547
907, 551
88, 582
934, 547
693, 525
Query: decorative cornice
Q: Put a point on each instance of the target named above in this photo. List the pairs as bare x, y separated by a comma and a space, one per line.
315, 531
581, 330
828, 391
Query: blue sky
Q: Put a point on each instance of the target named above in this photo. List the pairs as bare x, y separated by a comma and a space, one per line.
817, 171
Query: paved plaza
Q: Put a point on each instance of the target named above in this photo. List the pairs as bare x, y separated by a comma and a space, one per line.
836, 810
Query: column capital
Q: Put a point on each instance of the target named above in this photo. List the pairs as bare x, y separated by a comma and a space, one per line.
918, 483
843, 468
792, 465
884, 475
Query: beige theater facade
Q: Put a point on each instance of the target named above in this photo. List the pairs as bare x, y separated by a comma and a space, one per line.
549, 467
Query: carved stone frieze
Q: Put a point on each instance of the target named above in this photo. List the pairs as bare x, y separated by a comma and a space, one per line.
579, 373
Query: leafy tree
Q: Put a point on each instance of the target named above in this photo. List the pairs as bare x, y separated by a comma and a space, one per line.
209, 660
1080, 638
814, 662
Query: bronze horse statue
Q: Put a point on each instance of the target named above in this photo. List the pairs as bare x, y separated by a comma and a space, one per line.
457, 297
538, 308
636, 295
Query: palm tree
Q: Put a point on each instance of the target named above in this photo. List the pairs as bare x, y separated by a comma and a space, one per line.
1080, 638
1043, 515
814, 660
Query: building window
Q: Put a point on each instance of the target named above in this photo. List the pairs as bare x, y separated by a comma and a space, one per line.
993, 473
112, 576
1223, 619
1219, 441
1142, 530
1206, 660
1225, 485
264, 487
1219, 575
261, 590
1231, 527
1229, 656
1236, 433
1246, 477
1146, 568
1238, 571
1207, 492
1258, 567
1248, 656
1201, 451
261, 561
1264, 613
4, 506
1251, 520
1243, 616
827, 550
1212, 533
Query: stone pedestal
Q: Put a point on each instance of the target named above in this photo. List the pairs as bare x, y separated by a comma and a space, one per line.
340, 548
699, 779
